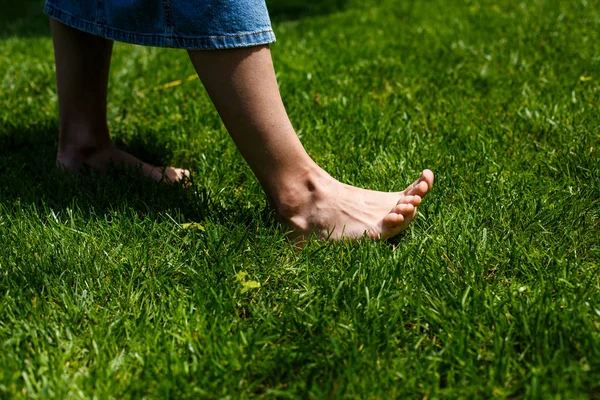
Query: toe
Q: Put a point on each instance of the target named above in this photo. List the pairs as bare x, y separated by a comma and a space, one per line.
411, 216
176, 174
427, 177
398, 220
414, 200
392, 225
404, 209
392, 220
421, 186
182, 173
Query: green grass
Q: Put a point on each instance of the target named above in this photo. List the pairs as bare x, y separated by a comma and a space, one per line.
494, 292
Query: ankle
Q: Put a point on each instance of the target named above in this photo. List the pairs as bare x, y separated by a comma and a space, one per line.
73, 155
81, 140
80, 153
298, 193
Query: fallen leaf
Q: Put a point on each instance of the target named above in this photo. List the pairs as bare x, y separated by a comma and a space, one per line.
192, 225
249, 285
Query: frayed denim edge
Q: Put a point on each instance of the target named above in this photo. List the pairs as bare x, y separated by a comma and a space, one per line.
198, 43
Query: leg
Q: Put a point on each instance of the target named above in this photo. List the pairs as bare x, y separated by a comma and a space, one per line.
243, 87
82, 64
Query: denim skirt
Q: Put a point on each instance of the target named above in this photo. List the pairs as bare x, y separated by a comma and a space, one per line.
188, 24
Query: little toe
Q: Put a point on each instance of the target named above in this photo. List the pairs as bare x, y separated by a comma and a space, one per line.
410, 216
392, 220
393, 224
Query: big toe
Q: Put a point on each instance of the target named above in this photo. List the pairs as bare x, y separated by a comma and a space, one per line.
421, 186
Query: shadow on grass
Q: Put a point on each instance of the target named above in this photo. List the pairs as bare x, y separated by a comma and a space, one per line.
25, 18
284, 10
29, 178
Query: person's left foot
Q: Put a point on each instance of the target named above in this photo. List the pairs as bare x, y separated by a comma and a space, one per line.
319, 205
101, 159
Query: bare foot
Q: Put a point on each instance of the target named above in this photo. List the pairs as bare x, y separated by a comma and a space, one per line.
323, 206
100, 159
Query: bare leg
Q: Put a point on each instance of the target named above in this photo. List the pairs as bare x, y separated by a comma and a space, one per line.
82, 64
242, 85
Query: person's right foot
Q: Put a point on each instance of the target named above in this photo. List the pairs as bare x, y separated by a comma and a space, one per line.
321, 205
101, 159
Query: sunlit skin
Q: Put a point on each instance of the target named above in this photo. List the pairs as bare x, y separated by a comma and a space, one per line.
242, 85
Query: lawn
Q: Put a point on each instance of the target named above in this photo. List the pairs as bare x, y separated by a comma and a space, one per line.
114, 286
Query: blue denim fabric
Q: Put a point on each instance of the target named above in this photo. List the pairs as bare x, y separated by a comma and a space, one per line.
188, 24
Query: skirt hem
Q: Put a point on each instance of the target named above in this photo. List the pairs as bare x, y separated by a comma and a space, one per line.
243, 39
